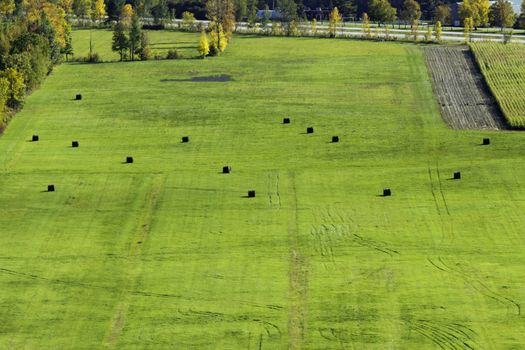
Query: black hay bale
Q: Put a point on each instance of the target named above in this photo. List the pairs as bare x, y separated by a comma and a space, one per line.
129, 160
185, 139
335, 138
78, 97
486, 141
74, 144
251, 193
286, 121
226, 169
310, 130
387, 192
35, 138
50, 188
457, 175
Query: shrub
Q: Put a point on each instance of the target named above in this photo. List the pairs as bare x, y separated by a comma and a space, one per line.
153, 26
172, 55
93, 58
145, 54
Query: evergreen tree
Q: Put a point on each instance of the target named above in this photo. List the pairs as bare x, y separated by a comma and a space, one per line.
288, 11
134, 36
521, 18
120, 42
241, 10
266, 18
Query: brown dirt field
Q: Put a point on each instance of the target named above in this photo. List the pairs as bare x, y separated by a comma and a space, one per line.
464, 99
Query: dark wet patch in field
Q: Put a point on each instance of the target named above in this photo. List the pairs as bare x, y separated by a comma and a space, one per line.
204, 79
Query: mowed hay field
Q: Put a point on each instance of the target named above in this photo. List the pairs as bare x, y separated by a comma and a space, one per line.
167, 253
503, 67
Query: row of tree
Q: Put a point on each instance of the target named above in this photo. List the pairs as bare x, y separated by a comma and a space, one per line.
245, 10
34, 36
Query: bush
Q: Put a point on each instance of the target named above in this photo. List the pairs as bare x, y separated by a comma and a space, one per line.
93, 58
213, 50
154, 26
145, 54
172, 55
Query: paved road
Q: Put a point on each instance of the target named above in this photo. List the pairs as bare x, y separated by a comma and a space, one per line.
242, 27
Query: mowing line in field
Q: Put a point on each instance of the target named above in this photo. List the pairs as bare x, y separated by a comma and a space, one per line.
137, 242
298, 275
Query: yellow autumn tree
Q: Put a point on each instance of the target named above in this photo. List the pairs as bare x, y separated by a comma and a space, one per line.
66, 5
57, 17
468, 25
219, 41
334, 21
126, 15
204, 45
6, 7
366, 25
314, 27
100, 10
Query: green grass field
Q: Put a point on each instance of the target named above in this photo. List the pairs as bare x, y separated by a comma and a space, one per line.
504, 69
167, 253
160, 43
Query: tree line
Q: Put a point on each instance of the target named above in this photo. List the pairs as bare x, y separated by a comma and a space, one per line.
34, 36
245, 10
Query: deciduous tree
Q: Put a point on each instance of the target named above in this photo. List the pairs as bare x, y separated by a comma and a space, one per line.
468, 26
502, 14
443, 14
314, 27
100, 10
7, 7
204, 45
411, 11
222, 14
334, 21
437, 32
16, 90
382, 11
188, 21
82, 8
366, 26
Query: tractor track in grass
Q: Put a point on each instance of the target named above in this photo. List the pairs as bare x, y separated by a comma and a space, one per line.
141, 293
134, 268
476, 284
464, 99
447, 336
335, 227
298, 276
442, 208
274, 196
